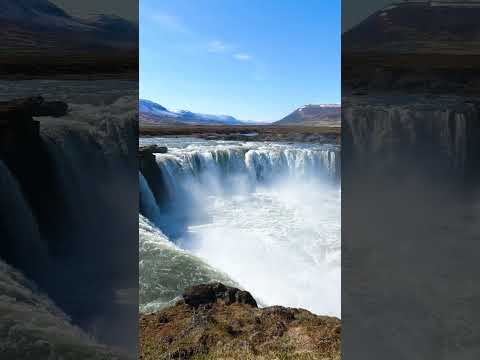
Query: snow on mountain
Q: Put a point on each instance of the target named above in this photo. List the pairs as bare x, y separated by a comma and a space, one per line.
153, 112
323, 114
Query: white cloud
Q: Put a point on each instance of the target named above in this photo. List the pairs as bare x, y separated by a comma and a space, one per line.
242, 57
217, 46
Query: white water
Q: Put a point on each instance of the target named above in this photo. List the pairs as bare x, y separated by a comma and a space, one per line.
265, 214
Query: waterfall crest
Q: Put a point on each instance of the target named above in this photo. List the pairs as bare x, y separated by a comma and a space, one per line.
227, 168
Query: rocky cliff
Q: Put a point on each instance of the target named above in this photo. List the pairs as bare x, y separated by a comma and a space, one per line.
214, 321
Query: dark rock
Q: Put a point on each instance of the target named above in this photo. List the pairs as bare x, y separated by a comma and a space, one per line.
153, 149
209, 293
28, 158
152, 173
33, 106
244, 297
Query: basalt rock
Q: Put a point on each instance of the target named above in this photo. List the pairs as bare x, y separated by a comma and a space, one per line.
17, 126
153, 149
27, 157
210, 293
150, 170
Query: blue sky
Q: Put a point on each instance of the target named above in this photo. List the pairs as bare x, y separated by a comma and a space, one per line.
253, 59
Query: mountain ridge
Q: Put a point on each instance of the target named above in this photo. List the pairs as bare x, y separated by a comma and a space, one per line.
40, 40
152, 113
418, 27
314, 115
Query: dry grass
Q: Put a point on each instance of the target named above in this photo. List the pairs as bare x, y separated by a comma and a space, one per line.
238, 332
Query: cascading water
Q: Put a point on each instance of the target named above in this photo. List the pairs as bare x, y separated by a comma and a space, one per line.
19, 229
63, 225
265, 214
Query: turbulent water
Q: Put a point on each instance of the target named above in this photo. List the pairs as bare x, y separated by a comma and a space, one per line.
264, 216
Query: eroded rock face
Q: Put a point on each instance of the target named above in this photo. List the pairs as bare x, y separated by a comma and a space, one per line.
149, 168
237, 330
210, 293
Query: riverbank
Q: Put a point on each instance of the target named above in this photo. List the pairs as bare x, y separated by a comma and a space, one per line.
311, 134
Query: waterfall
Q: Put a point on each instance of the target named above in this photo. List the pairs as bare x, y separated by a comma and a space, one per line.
230, 168
265, 216
148, 205
69, 208
19, 229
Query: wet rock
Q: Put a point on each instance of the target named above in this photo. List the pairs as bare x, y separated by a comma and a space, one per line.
210, 293
152, 173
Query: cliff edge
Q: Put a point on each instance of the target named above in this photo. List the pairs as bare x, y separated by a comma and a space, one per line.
214, 321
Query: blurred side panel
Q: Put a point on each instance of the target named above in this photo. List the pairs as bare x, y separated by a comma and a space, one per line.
410, 177
68, 179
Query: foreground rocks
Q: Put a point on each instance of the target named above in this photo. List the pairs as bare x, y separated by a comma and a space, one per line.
214, 321
205, 294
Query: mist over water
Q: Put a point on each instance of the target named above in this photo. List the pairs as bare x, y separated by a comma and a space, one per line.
264, 216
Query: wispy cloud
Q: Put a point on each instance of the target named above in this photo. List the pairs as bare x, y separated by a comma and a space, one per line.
242, 57
221, 47
217, 46
169, 22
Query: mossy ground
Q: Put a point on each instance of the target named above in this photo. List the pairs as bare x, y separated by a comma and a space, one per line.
238, 331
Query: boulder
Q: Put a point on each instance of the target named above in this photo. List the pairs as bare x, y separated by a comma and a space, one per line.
153, 149
204, 294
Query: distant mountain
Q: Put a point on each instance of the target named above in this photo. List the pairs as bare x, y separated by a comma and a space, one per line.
415, 47
153, 113
39, 37
419, 27
43, 22
314, 115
